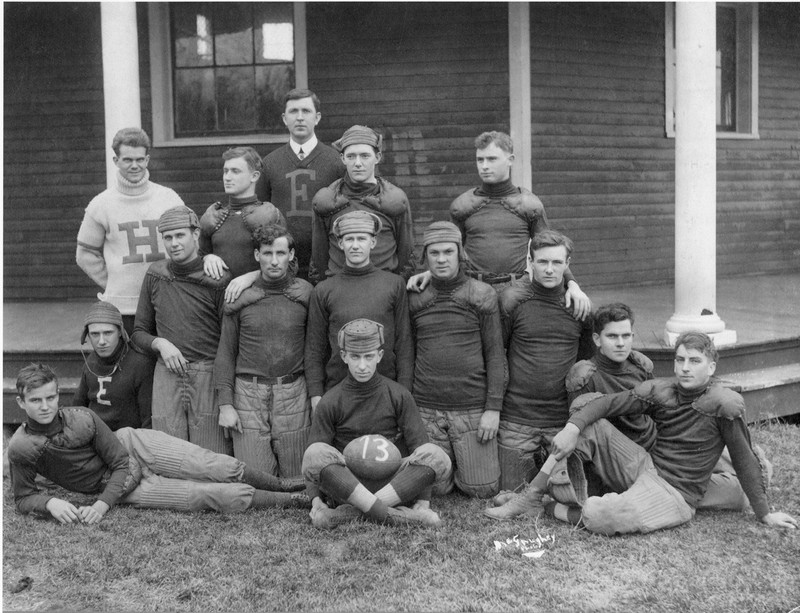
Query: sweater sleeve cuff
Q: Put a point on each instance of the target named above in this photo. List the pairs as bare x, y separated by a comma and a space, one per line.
144, 342
760, 507
578, 420
493, 404
315, 388
224, 396
109, 498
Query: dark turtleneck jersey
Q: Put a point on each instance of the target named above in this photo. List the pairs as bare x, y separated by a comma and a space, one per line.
394, 249
118, 388
610, 377
378, 406
233, 241
352, 294
179, 303
263, 333
460, 363
484, 227
496, 221
693, 429
76, 450
543, 341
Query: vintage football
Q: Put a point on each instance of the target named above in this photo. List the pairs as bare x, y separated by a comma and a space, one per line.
372, 456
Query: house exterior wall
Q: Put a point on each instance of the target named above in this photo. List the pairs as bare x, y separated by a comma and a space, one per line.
53, 144
758, 181
430, 76
605, 170
416, 72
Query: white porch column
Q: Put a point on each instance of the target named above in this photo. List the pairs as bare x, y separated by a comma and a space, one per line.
519, 85
695, 175
120, 73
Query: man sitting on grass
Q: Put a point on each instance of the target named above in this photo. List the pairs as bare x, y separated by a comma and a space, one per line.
366, 402
617, 367
695, 418
75, 449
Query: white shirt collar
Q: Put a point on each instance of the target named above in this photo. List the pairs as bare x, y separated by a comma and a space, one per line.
307, 146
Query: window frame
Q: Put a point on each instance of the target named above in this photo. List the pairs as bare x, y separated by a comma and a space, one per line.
669, 71
161, 92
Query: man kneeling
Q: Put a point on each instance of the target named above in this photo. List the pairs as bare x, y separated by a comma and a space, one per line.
366, 402
695, 418
75, 449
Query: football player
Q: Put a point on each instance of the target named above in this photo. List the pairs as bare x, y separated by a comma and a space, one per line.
366, 402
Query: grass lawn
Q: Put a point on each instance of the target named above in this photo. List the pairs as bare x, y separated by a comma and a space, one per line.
139, 560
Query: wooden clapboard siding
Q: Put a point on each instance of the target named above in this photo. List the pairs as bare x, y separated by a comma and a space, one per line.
53, 145
605, 170
758, 189
426, 76
601, 163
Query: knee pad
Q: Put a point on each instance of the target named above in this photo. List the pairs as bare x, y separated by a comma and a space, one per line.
515, 469
133, 478
567, 481
289, 448
477, 470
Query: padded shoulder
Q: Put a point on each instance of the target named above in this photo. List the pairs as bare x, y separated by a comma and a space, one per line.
300, 291
419, 301
216, 284
477, 295
580, 374
515, 294
79, 428
160, 269
466, 204
525, 204
213, 218
261, 214
660, 391
329, 200
392, 201
25, 448
249, 296
642, 361
720, 401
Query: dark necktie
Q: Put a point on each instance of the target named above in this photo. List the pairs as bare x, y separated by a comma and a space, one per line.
300, 154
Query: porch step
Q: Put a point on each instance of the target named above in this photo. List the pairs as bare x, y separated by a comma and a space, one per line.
65, 362
768, 392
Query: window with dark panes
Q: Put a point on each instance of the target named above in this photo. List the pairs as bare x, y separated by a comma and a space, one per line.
232, 64
726, 69
736, 70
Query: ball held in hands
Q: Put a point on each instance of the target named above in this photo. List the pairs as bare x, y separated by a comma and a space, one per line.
372, 456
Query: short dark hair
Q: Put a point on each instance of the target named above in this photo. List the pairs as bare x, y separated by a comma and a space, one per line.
699, 341
132, 137
501, 139
550, 238
34, 375
297, 94
269, 233
610, 313
250, 155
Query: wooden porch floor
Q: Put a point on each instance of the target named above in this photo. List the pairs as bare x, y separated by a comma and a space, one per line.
760, 309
